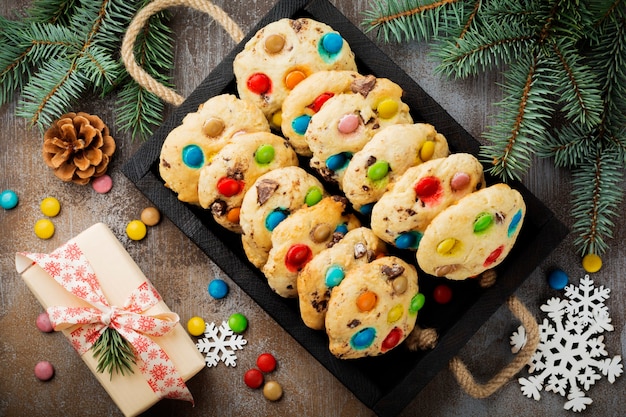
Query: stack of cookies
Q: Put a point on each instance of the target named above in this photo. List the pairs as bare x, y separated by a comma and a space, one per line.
305, 121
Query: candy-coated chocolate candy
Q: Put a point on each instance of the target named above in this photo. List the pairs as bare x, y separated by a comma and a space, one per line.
417, 302
44, 371
482, 222
193, 156
378, 170
387, 108
332, 43
150, 216
392, 339
493, 256
363, 338
592, 263
395, 313
274, 218
229, 187
102, 184
233, 214
427, 188
341, 228
337, 161
50, 206
266, 362
274, 43
348, 123
442, 294
8, 199
259, 83
400, 284
446, 246
196, 326
297, 256
313, 196
334, 276
408, 240
43, 323
294, 78
272, 391
253, 378
321, 232
300, 124
218, 288
459, 181
427, 150
277, 118
366, 301
136, 230
44, 229
320, 101
213, 127
517, 217
558, 279
237, 322
264, 154
366, 209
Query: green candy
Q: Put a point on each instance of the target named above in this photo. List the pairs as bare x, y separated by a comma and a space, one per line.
264, 154
238, 322
417, 302
313, 196
482, 222
378, 171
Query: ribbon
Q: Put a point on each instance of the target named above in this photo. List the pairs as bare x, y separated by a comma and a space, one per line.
69, 267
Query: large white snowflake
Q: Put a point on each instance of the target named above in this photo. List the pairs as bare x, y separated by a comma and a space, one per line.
220, 344
571, 354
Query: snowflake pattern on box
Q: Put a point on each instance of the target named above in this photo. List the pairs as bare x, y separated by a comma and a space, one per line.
571, 354
220, 344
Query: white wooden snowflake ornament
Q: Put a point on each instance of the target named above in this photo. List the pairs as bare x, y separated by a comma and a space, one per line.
571, 354
220, 344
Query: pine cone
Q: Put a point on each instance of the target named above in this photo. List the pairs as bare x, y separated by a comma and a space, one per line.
78, 147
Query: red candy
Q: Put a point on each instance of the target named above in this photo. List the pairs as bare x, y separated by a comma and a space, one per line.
392, 339
259, 83
43, 323
442, 294
266, 362
493, 256
319, 101
253, 378
228, 186
428, 189
297, 256
44, 371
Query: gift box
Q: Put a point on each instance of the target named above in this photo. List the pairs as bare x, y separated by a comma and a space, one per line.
92, 283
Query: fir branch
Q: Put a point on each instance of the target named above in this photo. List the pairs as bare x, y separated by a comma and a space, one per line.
52, 11
15, 64
113, 353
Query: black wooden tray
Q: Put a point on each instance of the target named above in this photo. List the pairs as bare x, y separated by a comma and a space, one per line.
387, 383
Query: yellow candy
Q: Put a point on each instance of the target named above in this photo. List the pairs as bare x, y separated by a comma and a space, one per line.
277, 118
196, 326
445, 246
427, 151
395, 313
136, 230
44, 229
387, 108
592, 262
50, 206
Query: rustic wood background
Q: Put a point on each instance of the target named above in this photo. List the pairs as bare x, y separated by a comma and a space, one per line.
181, 271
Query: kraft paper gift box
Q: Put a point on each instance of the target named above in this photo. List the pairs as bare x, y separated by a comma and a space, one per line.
125, 288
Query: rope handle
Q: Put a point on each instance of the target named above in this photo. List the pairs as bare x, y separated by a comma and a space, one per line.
477, 390
139, 21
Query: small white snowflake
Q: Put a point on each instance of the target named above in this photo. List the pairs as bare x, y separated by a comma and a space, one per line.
220, 344
571, 354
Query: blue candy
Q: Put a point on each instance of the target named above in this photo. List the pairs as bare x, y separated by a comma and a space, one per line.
558, 279
8, 199
218, 288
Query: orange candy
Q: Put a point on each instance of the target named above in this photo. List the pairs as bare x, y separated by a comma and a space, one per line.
293, 78
366, 301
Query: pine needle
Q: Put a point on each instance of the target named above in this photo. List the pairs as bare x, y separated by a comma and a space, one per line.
114, 353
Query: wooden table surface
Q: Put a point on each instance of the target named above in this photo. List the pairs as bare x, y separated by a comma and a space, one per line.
181, 271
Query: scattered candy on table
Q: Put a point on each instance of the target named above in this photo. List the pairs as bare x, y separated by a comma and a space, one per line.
266, 362
272, 390
43, 323
238, 322
102, 184
136, 230
150, 216
50, 206
592, 263
218, 288
44, 371
253, 378
44, 229
8, 199
558, 279
196, 326
442, 294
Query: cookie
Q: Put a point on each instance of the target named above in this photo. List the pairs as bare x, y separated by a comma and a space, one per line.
385, 157
301, 236
282, 54
307, 98
373, 309
270, 200
404, 211
473, 235
192, 144
326, 270
233, 170
348, 121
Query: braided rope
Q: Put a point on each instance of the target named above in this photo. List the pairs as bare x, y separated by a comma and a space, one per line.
139, 21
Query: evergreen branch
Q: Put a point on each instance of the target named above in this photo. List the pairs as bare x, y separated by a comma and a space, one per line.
44, 41
113, 352
98, 66
14, 62
595, 200
52, 11
569, 146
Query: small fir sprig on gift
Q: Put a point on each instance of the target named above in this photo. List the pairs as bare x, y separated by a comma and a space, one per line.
564, 87
114, 353
61, 51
